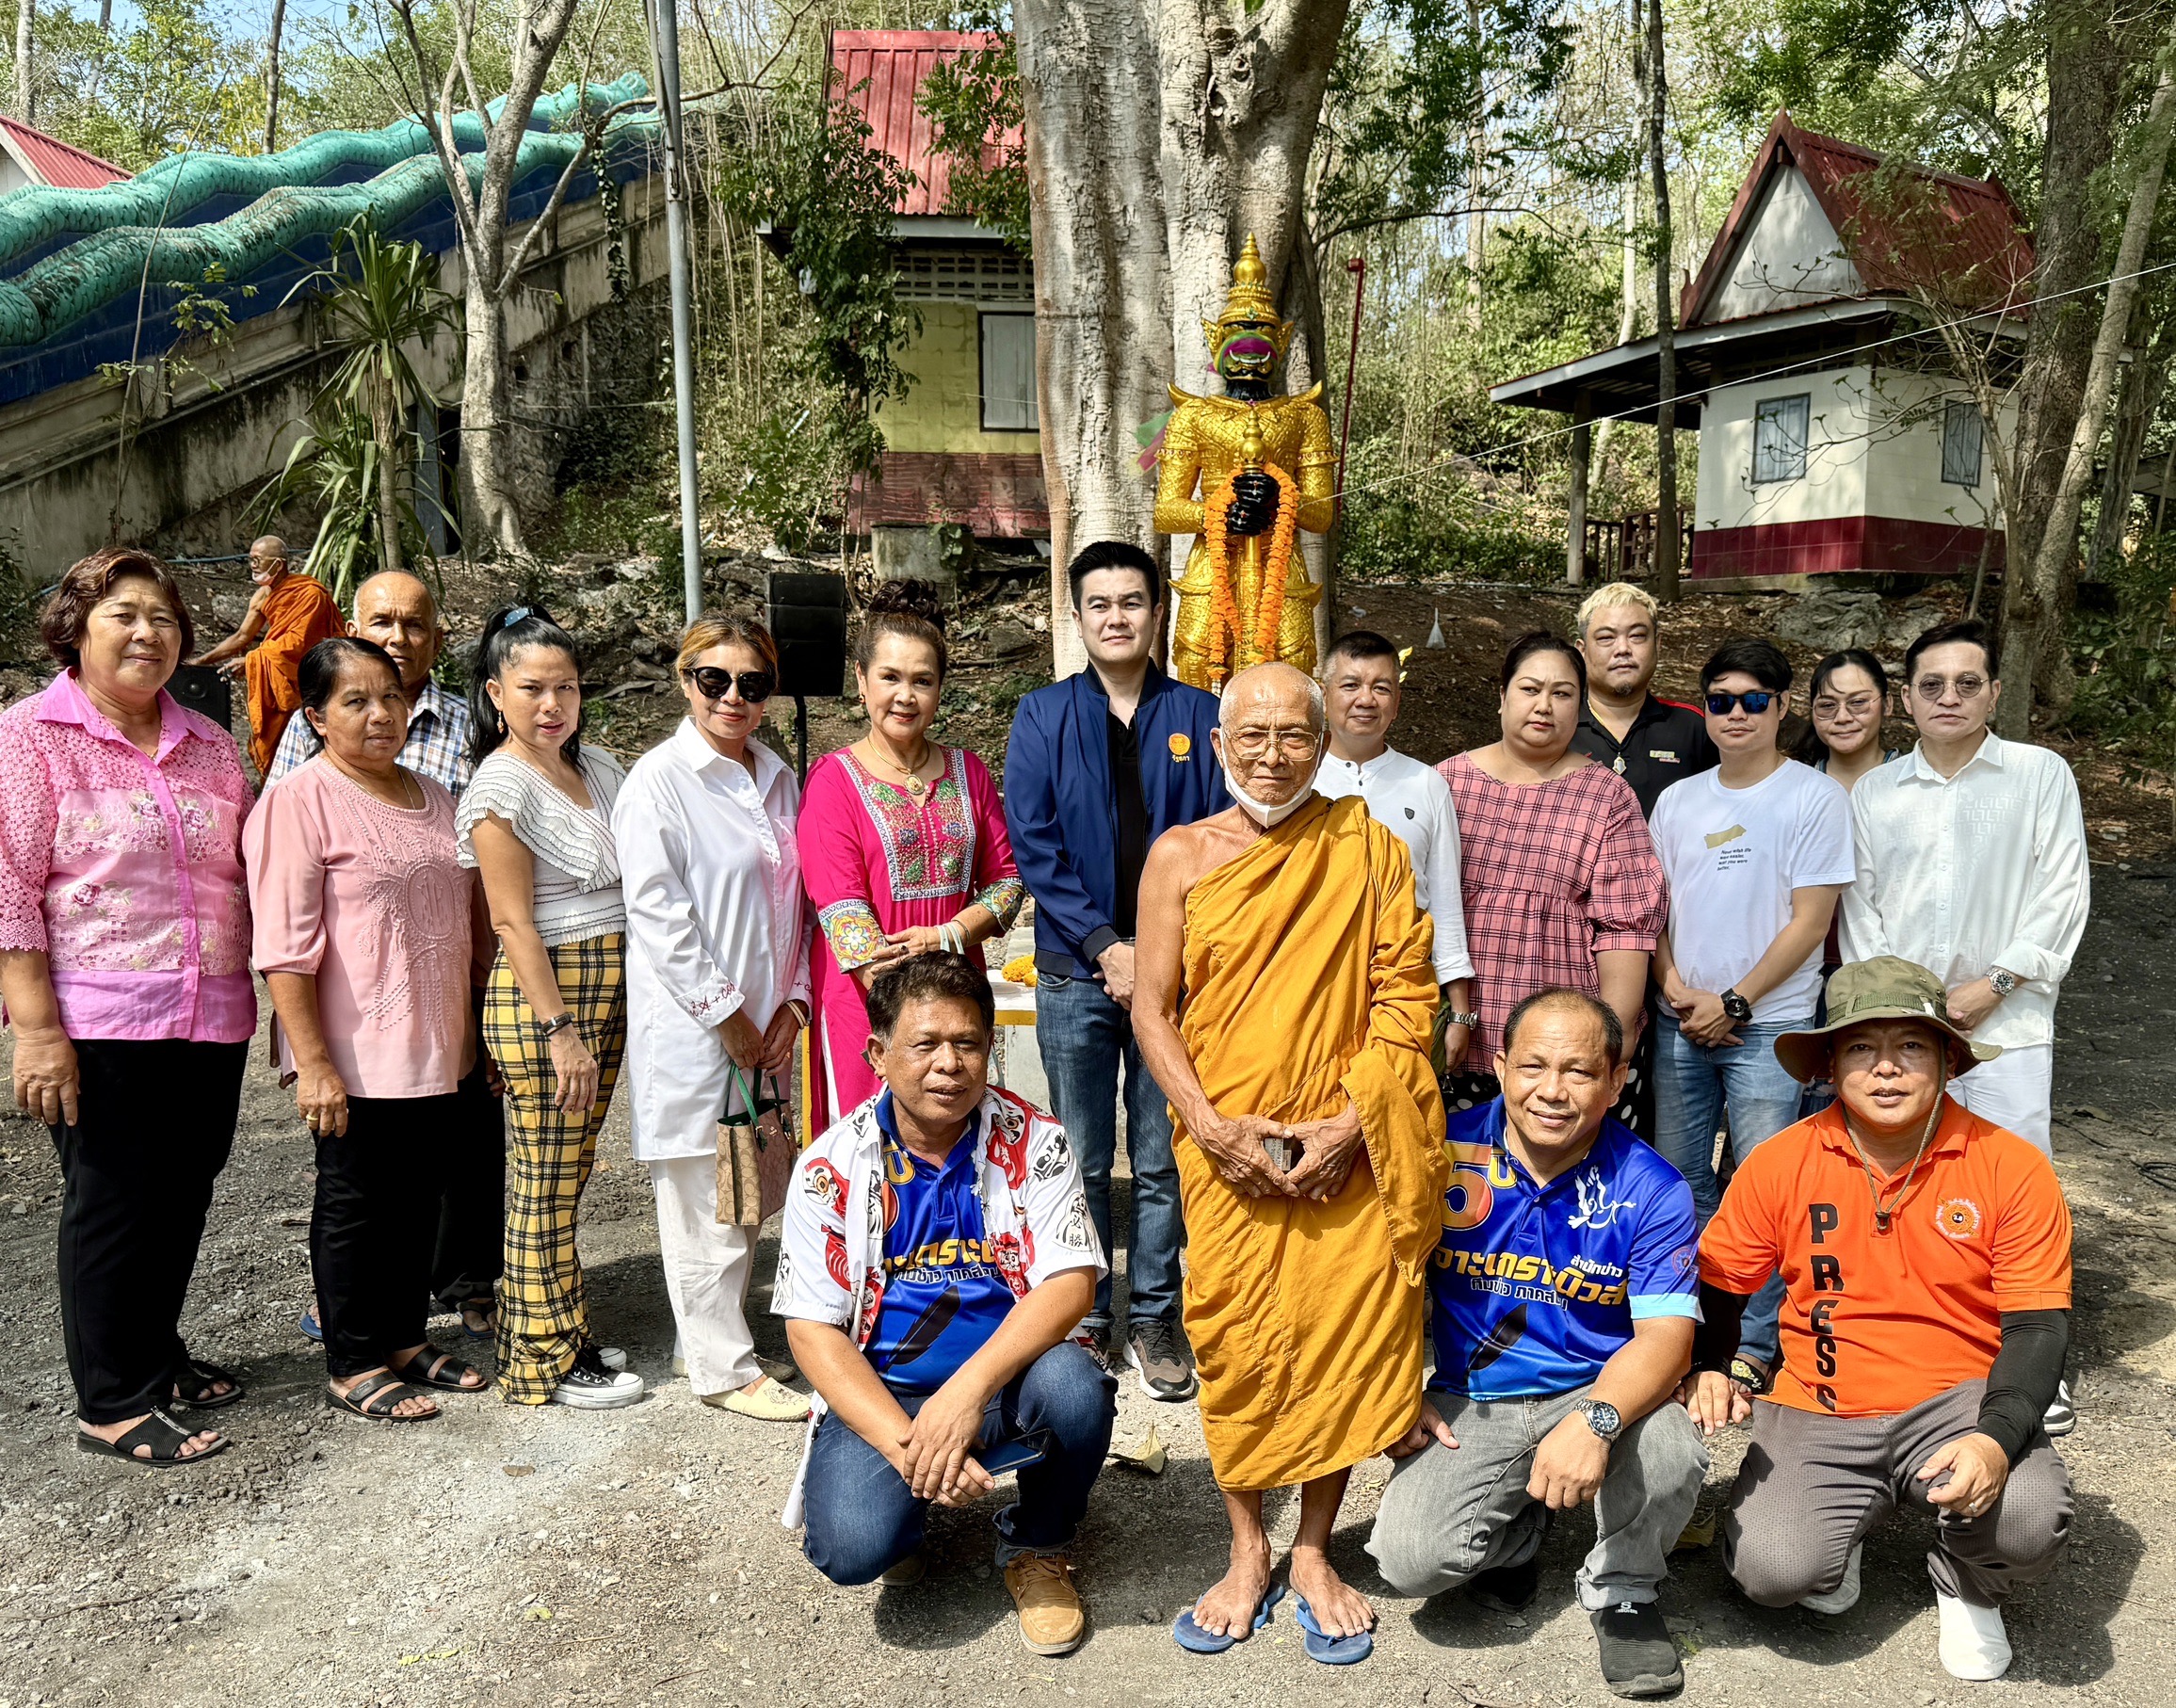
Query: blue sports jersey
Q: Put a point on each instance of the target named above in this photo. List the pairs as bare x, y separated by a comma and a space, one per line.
943, 1298
1535, 1287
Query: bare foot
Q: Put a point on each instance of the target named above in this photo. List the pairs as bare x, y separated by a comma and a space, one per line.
201, 1442
1339, 1609
1227, 1609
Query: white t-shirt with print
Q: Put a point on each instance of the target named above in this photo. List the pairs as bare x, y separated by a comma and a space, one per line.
1733, 857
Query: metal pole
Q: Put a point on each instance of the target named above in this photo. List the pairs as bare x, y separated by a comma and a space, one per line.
665, 24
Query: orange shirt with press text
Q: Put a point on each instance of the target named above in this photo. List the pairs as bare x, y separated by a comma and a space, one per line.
1876, 1323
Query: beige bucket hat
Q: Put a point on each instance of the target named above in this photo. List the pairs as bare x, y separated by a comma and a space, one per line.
1885, 987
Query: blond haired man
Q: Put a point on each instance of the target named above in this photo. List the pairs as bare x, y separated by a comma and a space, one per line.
1650, 742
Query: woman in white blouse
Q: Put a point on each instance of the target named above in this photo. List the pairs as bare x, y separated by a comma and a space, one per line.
717, 979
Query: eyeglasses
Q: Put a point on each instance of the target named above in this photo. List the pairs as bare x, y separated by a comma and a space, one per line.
1755, 701
1937, 687
1252, 744
1857, 705
754, 686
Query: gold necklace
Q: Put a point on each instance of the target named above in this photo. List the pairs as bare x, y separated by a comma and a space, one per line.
914, 784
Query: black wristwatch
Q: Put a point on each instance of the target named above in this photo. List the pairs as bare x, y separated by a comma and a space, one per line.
1602, 1418
1737, 1007
557, 1025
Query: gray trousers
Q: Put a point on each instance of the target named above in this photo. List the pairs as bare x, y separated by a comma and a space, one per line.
1450, 1514
1812, 1485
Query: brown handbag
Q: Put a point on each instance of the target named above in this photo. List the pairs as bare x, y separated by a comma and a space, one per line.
754, 1156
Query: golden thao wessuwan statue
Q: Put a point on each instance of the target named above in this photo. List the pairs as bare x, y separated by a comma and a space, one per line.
1243, 474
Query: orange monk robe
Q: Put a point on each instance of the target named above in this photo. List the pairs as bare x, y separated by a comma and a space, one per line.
297, 616
1308, 978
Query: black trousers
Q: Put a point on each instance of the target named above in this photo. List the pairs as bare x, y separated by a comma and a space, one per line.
371, 1228
470, 1248
155, 1124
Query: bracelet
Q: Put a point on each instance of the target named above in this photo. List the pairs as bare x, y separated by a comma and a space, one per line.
800, 1010
558, 1023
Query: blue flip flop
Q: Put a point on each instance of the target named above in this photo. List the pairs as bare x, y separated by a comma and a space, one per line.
1195, 1640
312, 1329
1330, 1650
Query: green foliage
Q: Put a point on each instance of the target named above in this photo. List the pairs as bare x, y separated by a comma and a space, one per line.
332, 469
176, 79
202, 317
379, 298
2126, 658
973, 104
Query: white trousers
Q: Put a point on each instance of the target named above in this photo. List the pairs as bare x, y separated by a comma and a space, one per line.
2015, 1090
707, 1265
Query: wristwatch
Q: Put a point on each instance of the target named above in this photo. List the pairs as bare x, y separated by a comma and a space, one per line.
2000, 981
1737, 1007
1602, 1418
557, 1023
1468, 1020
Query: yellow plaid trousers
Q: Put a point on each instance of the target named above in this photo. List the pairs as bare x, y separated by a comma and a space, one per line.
543, 1317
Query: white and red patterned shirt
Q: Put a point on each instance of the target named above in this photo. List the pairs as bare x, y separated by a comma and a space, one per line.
125, 869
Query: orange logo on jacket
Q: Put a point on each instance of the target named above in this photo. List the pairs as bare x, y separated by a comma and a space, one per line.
1181, 745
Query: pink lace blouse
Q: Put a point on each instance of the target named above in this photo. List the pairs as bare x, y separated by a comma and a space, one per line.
125, 869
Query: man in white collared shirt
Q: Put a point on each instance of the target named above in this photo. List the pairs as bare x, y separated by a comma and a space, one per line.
1360, 694
1972, 863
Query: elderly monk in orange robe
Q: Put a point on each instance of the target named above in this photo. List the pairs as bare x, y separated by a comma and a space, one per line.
292, 613
1284, 990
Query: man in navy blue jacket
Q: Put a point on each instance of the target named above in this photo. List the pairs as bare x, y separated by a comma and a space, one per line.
1099, 767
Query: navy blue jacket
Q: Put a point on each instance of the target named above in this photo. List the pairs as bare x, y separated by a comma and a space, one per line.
1063, 813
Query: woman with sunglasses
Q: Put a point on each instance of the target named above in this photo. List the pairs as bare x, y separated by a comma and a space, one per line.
903, 843
717, 984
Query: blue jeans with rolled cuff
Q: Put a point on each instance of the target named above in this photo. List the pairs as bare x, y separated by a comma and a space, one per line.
863, 1519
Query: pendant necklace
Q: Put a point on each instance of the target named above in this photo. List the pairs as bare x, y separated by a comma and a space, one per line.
914, 784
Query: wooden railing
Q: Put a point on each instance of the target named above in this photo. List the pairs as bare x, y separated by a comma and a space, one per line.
1623, 550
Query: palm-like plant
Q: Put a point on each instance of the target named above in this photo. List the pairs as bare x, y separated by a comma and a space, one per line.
337, 467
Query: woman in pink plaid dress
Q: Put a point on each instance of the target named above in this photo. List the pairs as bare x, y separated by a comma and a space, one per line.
1561, 884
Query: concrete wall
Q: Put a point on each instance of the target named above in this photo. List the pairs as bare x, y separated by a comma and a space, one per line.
1789, 256
173, 458
942, 409
1834, 483
1904, 456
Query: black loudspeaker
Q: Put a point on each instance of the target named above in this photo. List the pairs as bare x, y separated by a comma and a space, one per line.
808, 619
206, 690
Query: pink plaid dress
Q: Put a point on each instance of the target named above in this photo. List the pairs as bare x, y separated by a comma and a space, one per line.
1553, 874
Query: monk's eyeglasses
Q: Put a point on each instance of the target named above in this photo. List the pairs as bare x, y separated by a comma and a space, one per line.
1295, 744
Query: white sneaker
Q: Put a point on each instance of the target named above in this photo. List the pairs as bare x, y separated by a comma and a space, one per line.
1845, 1595
594, 1388
1973, 1644
2061, 1416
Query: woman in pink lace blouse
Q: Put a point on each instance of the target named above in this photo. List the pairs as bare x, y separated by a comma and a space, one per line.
124, 963
366, 936
902, 843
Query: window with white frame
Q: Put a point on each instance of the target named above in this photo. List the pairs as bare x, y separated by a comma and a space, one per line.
1780, 438
1961, 437
1008, 373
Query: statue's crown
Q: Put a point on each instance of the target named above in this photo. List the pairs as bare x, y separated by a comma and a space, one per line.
1250, 299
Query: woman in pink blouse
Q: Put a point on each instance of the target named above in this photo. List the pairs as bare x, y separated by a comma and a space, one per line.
902, 843
365, 936
124, 946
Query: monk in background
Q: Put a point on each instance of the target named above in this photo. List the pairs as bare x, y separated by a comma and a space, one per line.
288, 614
1285, 992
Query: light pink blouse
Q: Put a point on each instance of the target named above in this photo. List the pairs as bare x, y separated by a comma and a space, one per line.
125, 869
371, 899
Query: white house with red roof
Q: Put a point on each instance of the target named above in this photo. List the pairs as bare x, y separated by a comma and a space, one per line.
1836, 435
29, 156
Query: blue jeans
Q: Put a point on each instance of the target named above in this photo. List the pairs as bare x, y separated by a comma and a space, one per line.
1083, 1037
863, 1519
1692, 1084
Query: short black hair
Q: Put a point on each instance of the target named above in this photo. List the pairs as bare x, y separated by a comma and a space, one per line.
1115, 555
319, 672
1810, 749
1751, 655
1542, 640
1357, 644
938, 973
1972, 629
1563, 996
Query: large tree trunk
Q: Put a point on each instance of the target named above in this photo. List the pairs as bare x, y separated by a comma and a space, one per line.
2144, 381
490, 525
1158, 138
25, 102
272, 76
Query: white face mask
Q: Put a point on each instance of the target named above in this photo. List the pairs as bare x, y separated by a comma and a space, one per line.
1268, 817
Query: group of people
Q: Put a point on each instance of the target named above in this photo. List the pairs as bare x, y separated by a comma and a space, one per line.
1382, 1033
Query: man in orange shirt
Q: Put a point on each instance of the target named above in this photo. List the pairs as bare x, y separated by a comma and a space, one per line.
1926, 1257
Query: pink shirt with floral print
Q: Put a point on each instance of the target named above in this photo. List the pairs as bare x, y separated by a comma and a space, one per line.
125, 869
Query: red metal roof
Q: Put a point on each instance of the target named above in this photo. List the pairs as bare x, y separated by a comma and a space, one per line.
49, 160
1906, 228
882, 69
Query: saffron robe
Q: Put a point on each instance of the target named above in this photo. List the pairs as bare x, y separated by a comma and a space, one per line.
1308, 980
297, 614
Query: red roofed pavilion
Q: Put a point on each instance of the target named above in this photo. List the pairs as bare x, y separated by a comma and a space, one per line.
29, 156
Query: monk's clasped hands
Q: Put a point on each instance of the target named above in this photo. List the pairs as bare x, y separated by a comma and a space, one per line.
1330, 1146
1233, 1143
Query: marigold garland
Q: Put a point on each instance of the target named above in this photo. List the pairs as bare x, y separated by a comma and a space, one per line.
1276, 573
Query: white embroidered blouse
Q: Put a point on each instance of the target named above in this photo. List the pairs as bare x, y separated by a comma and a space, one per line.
577, 882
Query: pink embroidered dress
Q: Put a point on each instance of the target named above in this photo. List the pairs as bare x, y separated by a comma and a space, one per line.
875, 861
125, 869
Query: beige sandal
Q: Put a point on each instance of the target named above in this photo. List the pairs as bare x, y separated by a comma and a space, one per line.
770, 1400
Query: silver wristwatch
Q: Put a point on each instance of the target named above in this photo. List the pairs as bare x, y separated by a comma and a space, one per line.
1468, 1020
2001, 981
1602, 1418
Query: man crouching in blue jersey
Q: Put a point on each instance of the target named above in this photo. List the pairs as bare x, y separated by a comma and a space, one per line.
1564, 1301
937, 1260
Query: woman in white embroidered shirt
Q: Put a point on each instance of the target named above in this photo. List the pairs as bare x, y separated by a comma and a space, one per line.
535, 822
718, 983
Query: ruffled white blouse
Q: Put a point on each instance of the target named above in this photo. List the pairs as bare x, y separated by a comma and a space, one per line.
578, 883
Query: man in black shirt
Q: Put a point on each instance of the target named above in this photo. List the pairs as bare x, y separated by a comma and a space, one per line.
1649, 742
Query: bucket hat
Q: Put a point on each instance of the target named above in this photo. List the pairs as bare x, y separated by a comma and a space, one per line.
1885, 987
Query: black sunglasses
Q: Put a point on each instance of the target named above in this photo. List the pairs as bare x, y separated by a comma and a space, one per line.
1755, 701
755, 685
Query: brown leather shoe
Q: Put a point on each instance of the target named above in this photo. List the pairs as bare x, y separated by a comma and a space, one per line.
1053, 1619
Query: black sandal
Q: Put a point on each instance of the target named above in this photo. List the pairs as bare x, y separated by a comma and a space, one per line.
161, 1434
443, 1371
207, 1378
389, 1390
